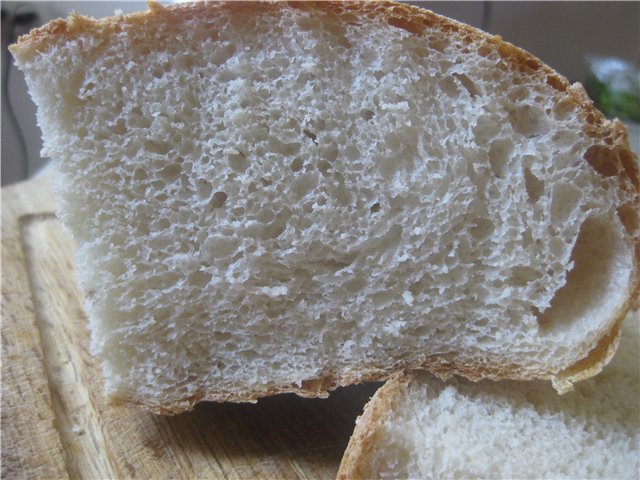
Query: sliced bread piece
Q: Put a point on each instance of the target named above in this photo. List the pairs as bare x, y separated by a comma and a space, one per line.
289, 197
417, 426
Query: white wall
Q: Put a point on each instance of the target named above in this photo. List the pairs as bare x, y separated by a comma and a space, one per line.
559, 33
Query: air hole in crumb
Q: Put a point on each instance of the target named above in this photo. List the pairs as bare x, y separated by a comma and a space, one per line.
222, 53
114, 177
388, 165
89, 87
484, 50
366, 114
310, 135
204, 188
331, 154
187, 62
171, 172
187, 147
296, 165
163, 224
482, 229
341, 194
163, 281
604, 160
324, 166
138, 121
218, 200
161, 148
487, 127
518, 94
238, 161
438, 43
375, 207
303, 184
528, 121
221, 336
120, 127
467, 83
594, 257
283, 148
406, 24
305, 23
187, 186
265, 215
564, 201
449, 87
533, 185
278, 225
140, 174
527, 238
354, 285
628, 215
499, 154
521, 276
564, 108
199, 279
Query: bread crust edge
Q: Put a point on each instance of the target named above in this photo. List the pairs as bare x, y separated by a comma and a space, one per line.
353, 464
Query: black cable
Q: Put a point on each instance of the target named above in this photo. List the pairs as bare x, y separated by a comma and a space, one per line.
17, 19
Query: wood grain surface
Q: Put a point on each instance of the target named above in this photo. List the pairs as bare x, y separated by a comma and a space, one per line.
55, 422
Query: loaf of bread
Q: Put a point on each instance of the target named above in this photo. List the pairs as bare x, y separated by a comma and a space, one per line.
289, 197
417, 426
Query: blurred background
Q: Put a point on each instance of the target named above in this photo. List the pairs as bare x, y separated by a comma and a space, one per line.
565, 35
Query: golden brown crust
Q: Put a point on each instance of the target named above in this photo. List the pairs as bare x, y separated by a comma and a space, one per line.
443, 366
593, 363
612, 158
365, 436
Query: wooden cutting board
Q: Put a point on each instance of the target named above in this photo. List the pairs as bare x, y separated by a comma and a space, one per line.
55, 422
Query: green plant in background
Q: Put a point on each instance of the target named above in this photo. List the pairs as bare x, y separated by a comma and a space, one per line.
614, 86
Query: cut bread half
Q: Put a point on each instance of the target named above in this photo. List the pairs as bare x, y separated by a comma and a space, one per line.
289, 197
417, 426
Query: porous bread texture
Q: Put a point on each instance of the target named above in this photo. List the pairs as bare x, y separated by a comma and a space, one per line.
276, 197
417, 426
